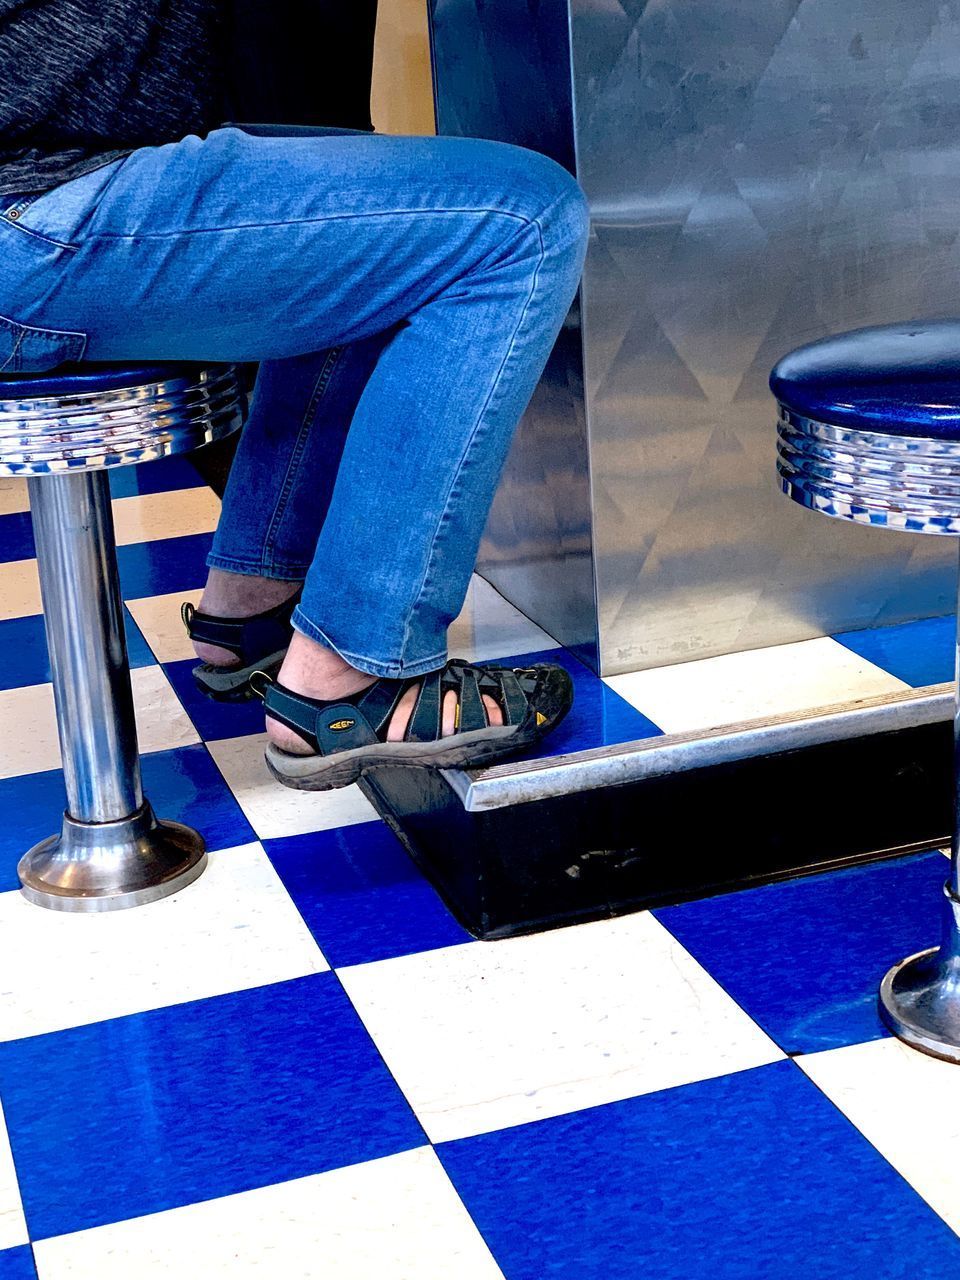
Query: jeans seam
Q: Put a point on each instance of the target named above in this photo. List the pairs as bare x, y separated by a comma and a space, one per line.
300, 222
11, 361
474, 435
319, 389
257, 568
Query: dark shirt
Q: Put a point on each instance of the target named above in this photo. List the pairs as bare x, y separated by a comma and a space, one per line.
83, 82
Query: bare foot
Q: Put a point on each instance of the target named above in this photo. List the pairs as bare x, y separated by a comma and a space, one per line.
317, 672
238, 595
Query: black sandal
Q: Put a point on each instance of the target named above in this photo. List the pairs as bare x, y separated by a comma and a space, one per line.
348, 736
258, 642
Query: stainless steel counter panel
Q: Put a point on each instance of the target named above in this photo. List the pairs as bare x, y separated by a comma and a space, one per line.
761, 172
506, 75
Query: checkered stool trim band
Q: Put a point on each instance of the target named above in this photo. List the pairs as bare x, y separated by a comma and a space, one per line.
91, 430
910, 483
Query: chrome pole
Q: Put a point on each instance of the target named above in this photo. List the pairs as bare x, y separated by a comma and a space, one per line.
920, 996
111, 851
82, 609
953, 884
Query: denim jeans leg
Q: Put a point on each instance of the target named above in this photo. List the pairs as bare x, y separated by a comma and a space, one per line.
455, 380
282, 478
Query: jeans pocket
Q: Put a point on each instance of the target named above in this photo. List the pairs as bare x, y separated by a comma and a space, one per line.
59, 217
26, 349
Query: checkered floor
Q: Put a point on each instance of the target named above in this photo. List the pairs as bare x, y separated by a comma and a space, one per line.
302, 1067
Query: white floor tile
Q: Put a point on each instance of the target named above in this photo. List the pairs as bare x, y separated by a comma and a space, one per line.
175, 514
30, 743
274, 810
162, 723
490, 627
753, 685
19, 589
905, 1104
234, 928
393, 1219
493, 1035
13, 497
13, 1226
34, 746
158, 618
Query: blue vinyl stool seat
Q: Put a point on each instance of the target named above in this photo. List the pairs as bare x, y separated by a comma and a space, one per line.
870, 426
69, 379
61, 431
869, 431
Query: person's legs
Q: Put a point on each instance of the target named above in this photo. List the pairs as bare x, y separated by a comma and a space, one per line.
300, 412
467, 253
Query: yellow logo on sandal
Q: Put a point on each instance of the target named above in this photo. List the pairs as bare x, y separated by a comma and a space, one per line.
339, 725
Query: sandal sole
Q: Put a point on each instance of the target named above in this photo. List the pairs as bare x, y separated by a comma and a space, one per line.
232, 684
339, 773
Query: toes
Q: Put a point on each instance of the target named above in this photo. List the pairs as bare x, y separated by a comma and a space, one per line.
401, 717
451, 722
449, 719
494, 713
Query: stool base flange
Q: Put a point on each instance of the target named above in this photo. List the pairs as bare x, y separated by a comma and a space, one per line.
108, 866
920, 996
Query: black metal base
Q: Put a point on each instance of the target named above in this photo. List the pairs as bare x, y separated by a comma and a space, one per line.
605, 852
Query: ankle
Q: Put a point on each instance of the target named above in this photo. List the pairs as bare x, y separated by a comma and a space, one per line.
315, 671
239, 595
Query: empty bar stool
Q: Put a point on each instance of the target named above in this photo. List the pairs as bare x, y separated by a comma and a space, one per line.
63, 431
869, 430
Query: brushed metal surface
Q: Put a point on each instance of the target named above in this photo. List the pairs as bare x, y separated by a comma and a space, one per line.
761, 173
528, 781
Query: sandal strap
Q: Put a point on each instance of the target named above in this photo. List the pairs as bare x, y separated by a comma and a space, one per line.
426, 722
339, 725
513, 701
378, 702
248, 639
473, 714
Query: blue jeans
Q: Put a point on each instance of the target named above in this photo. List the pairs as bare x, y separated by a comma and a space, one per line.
403, 294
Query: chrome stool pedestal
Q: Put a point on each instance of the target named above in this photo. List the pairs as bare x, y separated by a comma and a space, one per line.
869, 431
920, 996
62, 431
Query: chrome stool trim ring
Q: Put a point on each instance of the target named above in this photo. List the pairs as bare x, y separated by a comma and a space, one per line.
907, 483
92, 430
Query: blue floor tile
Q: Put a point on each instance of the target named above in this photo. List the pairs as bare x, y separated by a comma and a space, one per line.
155, 477
183, 785
17, 1264
919, 653
169, 564
23, 650
361, 896
16, 537
138, 651
213, 720
748, 1176
805, 959
16, 529
183, 1104
599, 718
